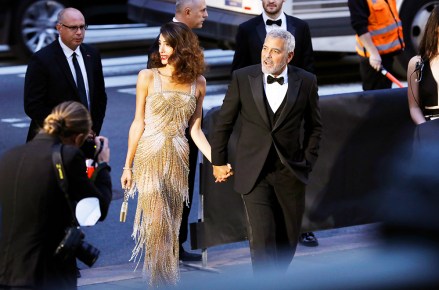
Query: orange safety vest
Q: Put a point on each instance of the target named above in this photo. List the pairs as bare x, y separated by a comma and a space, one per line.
384, 27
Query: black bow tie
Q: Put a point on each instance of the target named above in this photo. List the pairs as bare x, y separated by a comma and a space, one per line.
271, 22
271, 80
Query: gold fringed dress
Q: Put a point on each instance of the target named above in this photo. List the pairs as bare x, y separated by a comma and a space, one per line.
160, 174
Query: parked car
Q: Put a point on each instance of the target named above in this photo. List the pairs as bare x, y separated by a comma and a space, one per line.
329, 20
28, 25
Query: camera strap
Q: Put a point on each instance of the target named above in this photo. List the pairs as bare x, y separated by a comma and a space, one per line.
61, 177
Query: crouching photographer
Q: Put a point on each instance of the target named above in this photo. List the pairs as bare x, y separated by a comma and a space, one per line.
39, 239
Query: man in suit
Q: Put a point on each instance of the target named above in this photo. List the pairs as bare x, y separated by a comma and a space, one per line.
65, 70
273, 161
192, 13
251, 35
249, 40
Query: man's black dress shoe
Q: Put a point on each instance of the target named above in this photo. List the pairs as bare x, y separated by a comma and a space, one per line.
189, 257
308, 239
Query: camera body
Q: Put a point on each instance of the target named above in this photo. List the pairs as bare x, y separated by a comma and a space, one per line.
89, 148
73, 244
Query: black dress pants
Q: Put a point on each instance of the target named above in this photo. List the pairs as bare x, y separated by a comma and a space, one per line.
274, 210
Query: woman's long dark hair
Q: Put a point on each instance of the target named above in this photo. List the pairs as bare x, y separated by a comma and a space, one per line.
187, 58
428, 48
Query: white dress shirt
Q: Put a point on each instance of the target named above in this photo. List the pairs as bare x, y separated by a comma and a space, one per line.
69, 55
276, 92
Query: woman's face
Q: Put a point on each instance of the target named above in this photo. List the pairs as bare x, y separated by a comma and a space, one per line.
165, 50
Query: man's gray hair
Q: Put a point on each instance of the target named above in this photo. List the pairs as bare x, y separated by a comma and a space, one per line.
290, 41
181, 4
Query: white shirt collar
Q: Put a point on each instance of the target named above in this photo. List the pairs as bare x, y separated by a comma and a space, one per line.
67, 50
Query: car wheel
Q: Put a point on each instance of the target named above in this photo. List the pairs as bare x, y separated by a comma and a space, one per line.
34, 26
414, 15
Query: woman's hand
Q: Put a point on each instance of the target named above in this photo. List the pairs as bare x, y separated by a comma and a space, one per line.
127, 178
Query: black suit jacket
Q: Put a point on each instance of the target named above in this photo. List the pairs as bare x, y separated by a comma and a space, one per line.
245, 98
35, 212
49, 82
251, 36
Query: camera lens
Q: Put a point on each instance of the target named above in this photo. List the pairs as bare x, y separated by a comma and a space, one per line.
87, 254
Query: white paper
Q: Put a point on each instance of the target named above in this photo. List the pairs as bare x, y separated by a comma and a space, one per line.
88, 211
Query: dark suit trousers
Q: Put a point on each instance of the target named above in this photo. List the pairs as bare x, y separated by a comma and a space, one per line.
274, 210
372, 79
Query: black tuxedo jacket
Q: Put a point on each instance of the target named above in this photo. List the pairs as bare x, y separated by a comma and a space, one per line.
35, 212
49, 82
245, 98
251, 36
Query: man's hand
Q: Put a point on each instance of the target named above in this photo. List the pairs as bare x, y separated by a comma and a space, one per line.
375, 61
222, 172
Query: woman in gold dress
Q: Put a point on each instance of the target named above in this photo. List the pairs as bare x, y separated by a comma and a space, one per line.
169, 98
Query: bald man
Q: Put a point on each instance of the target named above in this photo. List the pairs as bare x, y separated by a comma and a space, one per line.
191, 12
65, 70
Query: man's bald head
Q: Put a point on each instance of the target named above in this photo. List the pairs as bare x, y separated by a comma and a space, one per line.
191, 12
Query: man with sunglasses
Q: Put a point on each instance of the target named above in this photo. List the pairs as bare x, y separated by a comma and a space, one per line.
65, 70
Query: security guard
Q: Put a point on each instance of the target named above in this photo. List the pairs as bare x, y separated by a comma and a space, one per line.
379, 38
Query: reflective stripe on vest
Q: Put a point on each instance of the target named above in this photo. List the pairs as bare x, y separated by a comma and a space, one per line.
385, 28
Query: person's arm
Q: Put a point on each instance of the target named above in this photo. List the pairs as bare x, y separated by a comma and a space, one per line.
307, 61
137, 126
241, 58
413, 92
375, 57
359, 11
195, 121
312, 125
100, 105
223, 129
36, 100
80, 186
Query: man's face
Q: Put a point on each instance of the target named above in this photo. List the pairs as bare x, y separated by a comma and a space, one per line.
274, 56
198, 13
71, 28
272, 7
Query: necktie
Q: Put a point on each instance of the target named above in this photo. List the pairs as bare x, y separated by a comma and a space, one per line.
271, 80
271, 22
80, 81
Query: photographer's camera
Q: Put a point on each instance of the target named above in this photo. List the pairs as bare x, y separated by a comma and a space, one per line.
74, 245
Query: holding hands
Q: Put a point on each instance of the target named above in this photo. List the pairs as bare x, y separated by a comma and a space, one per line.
222, 172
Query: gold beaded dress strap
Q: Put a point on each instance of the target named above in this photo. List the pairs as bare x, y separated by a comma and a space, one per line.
193, 87
157, 81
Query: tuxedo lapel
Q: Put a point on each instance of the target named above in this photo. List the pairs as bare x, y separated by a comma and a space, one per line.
260, 29
60, 58
256, 85
294, 83
88, 62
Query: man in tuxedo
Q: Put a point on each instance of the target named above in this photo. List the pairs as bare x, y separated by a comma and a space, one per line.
192, 13
65, 70
249, 41
251, 35
273, 100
